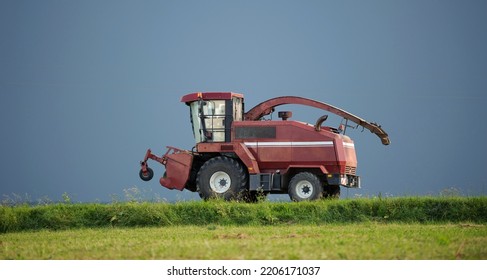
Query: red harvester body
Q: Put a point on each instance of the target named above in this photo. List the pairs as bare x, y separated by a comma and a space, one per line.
241, 156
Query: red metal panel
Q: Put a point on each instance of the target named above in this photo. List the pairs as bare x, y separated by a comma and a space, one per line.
295, 144
346, 156
204, 147
350, 155
341, 157
244, 154
247, 157
270, 156
178, 167
324, 155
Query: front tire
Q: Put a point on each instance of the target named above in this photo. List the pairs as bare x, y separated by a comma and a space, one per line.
305, 186
221, 177
146, 176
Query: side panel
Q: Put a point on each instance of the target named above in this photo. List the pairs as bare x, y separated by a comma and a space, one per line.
276, 145
271, 153
350, 156
266, 142
347, 159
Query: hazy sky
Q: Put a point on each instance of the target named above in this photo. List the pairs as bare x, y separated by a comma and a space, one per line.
87, 86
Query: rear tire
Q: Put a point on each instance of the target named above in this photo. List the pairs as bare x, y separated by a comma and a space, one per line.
305, 186
221, 177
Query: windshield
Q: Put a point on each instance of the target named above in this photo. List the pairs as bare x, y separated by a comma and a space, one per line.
196, 122
208, 120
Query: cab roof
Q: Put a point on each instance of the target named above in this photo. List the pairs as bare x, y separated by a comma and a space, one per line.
210, 96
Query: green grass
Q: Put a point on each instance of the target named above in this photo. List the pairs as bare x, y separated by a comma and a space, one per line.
372, 228
64, 216
369, 240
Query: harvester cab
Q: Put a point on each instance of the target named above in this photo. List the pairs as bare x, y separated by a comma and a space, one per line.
212, 115
238, 155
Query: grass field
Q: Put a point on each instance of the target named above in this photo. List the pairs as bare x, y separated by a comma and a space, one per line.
392, 228
350, 241
134, 214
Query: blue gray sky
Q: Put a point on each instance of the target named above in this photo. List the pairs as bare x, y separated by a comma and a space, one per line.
87, 86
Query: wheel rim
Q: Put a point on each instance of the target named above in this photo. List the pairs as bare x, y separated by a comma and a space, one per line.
304, 189
220, 182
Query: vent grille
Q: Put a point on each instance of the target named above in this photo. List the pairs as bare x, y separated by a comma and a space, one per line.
350, 170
